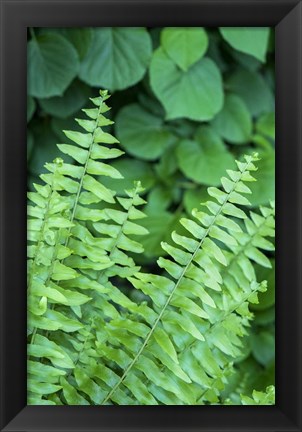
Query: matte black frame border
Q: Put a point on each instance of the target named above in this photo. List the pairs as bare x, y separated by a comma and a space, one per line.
16, 16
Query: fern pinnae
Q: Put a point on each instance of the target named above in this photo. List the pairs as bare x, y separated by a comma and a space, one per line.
125, 225
50, 179
257, 287
244, 169
104, 96
74, 188
52, 245
100, 346
42, 192
266, 397
39, 242
61, 173
261, 224
122, 218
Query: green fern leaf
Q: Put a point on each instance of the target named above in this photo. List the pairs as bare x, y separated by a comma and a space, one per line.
260, 398
89, 343
214, 314
65, 255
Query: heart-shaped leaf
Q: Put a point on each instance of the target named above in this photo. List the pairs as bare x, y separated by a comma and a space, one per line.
81, 39
118, 57
160, 224
51, 65
250, 40
234, 122
184, 45
141, 133
205, 159
132, 170
72, 100
253, 89
196, 94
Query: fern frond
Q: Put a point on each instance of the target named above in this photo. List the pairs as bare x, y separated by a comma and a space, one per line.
68, 251
89, 343
260, 398
183, 352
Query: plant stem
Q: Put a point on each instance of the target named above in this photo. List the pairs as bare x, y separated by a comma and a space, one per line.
173, 291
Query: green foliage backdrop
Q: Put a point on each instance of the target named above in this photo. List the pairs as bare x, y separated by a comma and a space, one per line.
186, 102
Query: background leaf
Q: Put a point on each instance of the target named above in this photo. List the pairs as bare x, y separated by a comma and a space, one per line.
263, 347
193, 198
158, 106
234, 122
159, 225
266, 125
81, 39
198, 159
132, 170
250, 40
185, 45
253, 89
44, 149
141, 133
196, 94
52, 65
118, 57
69, 103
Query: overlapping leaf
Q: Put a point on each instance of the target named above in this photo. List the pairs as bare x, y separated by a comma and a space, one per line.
47, 78
66, 253
195, 94
118, 57
100, 346
192, 312
249, 40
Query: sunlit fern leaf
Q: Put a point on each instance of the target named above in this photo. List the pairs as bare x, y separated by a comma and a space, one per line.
186, 348
66, 260
260, 398
90, 342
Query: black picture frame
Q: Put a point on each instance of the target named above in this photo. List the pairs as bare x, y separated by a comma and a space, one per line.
286, 17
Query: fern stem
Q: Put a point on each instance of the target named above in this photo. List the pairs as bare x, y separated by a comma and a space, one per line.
77, 197
73, 210
238, 305
243, 247
83, 347
32, 272
226, 315
220, 321
83, 175
173, 291
54, 255
123, 225
200, 401
46, 214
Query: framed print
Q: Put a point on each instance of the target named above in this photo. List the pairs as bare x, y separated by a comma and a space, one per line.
156, 135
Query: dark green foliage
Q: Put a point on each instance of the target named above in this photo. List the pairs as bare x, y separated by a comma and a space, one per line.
177, 143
